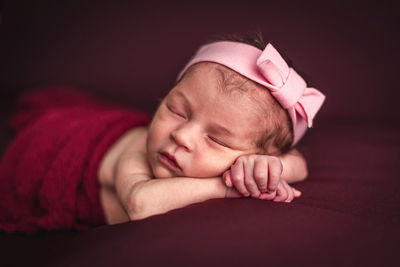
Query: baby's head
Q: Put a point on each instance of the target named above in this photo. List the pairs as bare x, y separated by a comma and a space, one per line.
222, 108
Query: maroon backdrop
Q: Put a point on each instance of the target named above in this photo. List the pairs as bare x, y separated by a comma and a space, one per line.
131, 53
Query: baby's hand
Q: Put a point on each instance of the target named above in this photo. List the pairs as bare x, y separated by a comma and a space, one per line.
260, 177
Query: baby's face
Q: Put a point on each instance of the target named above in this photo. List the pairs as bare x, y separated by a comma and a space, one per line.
199, 130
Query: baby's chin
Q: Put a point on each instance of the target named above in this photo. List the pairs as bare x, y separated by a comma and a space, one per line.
162, 173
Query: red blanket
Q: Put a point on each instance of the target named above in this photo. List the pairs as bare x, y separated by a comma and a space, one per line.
48, 175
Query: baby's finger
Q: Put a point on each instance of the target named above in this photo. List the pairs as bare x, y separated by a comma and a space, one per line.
237, 177
297, 193
274, 173
267, 196
281, 193
290, 192
226, 177
260, 173
249, 179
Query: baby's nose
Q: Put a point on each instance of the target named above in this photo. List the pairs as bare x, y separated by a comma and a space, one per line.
184, 137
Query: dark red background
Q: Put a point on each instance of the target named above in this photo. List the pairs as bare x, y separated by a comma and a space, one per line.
131, 53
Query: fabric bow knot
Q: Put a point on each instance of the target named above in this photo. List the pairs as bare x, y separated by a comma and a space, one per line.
288, 87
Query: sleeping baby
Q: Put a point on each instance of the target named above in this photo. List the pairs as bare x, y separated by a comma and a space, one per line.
236, 112
227, 129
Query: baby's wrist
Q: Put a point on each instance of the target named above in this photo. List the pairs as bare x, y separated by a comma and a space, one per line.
220, 189
227, 191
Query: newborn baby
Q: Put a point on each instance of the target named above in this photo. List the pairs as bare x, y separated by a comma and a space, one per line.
235, 113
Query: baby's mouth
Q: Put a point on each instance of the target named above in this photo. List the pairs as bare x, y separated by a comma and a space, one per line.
169, 160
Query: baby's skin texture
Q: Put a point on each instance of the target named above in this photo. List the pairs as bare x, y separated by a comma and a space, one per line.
201, 144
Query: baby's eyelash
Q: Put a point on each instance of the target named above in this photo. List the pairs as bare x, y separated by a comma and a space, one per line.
217, 141
173, 111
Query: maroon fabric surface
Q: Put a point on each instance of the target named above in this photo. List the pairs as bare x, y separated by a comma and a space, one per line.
49, 172
131, 52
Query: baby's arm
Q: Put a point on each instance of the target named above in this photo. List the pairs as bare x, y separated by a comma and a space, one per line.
294, 166
142, 196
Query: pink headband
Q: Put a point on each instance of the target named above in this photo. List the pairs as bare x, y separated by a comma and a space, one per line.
269, 69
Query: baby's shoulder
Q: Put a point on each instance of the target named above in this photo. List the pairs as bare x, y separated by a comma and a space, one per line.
134, 140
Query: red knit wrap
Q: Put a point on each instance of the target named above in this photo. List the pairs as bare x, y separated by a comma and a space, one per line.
48, 175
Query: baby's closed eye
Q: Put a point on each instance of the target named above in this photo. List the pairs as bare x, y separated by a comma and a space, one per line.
217, 141
176, 111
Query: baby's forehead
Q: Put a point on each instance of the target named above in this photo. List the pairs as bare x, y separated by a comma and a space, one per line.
230, 83
225, 76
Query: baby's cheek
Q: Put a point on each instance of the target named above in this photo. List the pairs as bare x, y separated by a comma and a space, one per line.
158, 131
213, 165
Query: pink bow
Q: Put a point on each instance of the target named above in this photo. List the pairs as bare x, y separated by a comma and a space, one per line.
289, 88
